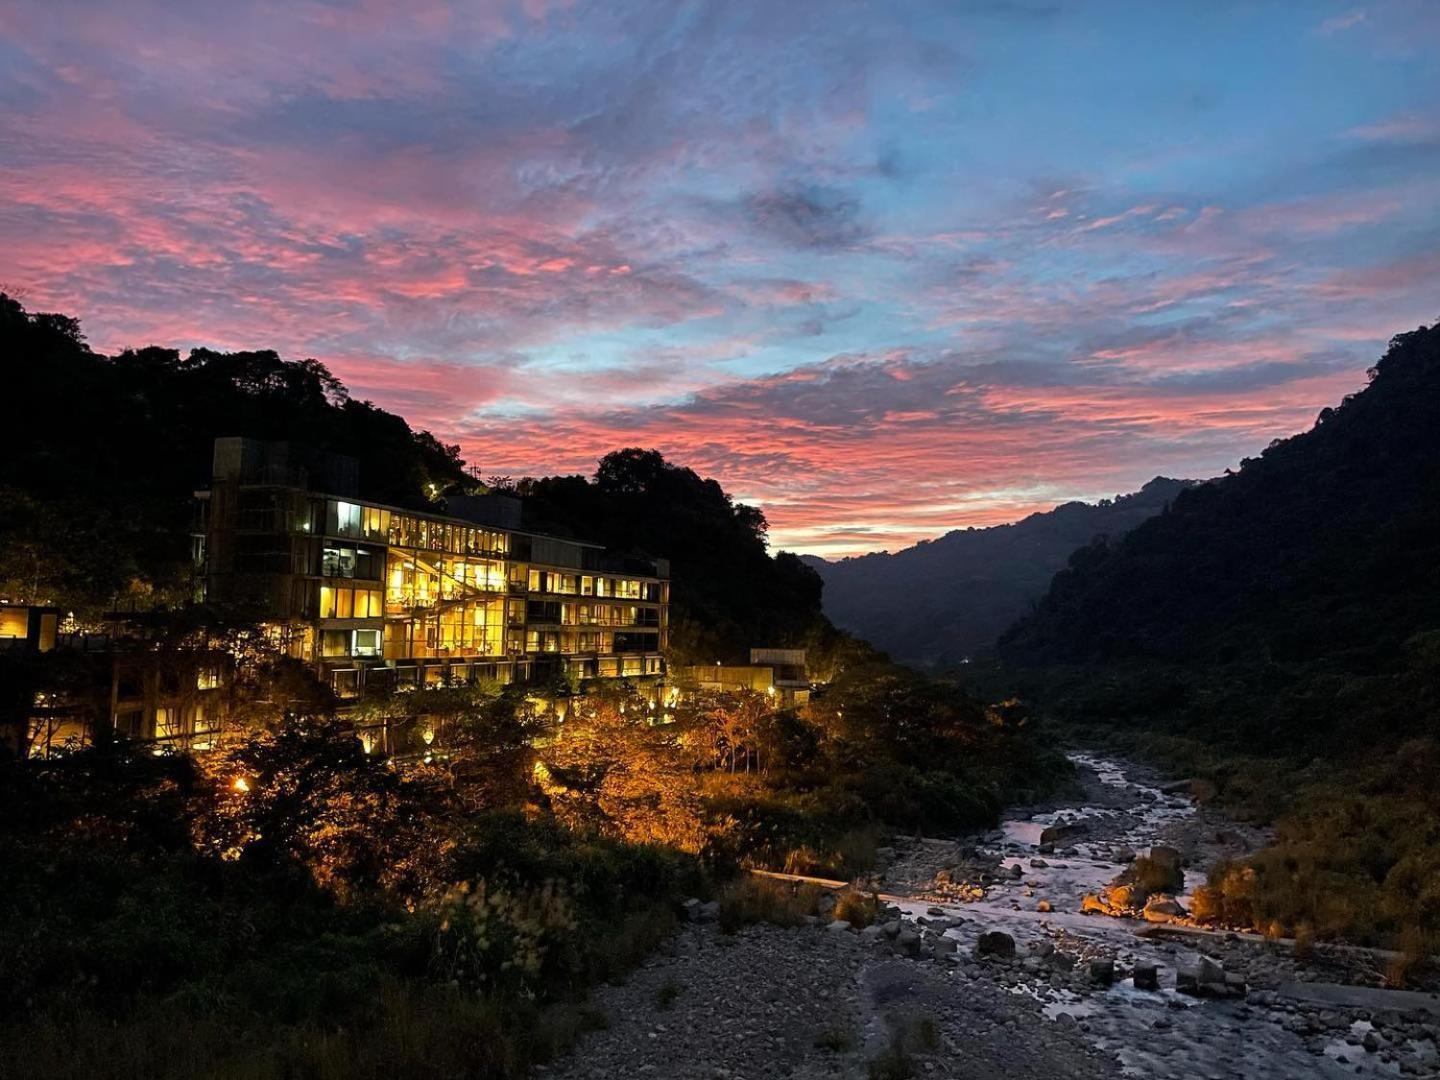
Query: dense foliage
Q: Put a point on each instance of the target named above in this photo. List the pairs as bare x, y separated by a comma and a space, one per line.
945, 600
292, 886
1277, 632
728, 592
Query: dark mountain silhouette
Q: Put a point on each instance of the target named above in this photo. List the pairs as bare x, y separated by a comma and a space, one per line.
947, 599
1326, 547
1276, 633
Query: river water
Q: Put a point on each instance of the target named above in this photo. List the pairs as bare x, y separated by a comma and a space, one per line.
1164, 1033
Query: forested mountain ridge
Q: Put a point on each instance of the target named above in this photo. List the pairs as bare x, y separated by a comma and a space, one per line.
943, 600
1276, 634
1325, 546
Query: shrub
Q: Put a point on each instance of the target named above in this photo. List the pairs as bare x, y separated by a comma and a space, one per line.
1207, 905
754, 899
1304, 943
1412, 958
491, 936
1237, 884
856, 908
1154, 877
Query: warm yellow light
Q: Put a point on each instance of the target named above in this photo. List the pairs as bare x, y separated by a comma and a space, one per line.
428, 735
240, 784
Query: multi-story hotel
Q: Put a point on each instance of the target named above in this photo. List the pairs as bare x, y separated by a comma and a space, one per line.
380, 596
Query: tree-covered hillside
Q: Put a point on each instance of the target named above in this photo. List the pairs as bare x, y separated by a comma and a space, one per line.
103, 454
1325, 546
1276, 633
947, 599
728, 592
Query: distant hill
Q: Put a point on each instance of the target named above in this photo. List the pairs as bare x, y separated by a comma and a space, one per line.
947, 599
1326, 546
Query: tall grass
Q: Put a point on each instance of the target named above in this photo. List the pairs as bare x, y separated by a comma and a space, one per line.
753, 899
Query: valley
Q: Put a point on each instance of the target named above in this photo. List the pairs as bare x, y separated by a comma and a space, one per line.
933, 987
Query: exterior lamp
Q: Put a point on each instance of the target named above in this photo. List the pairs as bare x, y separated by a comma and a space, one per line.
428, 735
240, 784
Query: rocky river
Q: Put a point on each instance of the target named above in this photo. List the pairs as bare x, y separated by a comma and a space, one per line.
984, 965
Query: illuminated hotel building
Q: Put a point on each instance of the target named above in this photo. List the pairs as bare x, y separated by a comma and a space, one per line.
384, 597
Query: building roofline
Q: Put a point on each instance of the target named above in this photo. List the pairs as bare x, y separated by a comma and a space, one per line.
205, 493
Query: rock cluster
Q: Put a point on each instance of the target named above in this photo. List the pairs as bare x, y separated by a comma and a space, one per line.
1208, 978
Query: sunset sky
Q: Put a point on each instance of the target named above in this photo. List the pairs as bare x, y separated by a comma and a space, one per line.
884, 269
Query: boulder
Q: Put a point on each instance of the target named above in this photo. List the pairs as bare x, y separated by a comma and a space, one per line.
1061, 961
1162, 909
1046, 848
1102, 971
838, 926
907, 942
1015, 871
1163, 855
1208, 979
1122, 855
698, 911
996, 943
1120, 898
1038, 864
1146, 975
944, 947
1044, 907
1058, 834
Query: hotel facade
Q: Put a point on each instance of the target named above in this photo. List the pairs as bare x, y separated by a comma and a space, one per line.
378, 597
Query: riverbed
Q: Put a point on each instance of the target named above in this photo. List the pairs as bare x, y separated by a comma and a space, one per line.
827, 1000
1275, 1031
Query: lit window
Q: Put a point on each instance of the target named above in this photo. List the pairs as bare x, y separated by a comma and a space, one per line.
347, 518
167, 722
